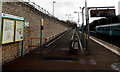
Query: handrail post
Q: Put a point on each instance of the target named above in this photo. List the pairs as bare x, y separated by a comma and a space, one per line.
23, 41
41, 28
83, 26
40, 34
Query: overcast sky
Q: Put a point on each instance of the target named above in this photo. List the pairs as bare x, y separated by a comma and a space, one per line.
63, 7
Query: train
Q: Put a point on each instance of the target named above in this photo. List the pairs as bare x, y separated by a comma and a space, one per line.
109, 29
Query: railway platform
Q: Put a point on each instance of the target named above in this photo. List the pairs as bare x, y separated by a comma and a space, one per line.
97, 59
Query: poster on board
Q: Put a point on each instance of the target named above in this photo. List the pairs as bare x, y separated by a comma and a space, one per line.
8, 31
19, 31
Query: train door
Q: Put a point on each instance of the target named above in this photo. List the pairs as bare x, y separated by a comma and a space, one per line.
110, 31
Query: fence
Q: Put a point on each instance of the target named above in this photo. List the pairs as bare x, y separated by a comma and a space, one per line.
39, 8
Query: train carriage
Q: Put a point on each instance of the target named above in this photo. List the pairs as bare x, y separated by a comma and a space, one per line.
111, 29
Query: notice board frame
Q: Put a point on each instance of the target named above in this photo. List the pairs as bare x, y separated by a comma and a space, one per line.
3, 31
15, 20
21, 31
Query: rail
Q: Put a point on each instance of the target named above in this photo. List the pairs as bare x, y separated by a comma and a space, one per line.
37, 38
46, 41
31, 42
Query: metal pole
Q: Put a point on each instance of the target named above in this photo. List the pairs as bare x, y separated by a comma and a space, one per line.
87, 24
68, 17
41, 21
53, 7
23, 41
88, 29
83, 26
0, 35
78, 18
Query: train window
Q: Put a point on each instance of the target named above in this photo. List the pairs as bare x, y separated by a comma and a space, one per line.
116, 28
106, 28
99, 28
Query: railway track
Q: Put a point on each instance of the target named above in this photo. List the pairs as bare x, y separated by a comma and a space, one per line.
114, 40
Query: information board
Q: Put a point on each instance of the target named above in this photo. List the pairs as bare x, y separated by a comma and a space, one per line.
102, 13
8, 31
19, 31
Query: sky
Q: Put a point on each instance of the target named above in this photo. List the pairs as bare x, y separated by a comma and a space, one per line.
63, 7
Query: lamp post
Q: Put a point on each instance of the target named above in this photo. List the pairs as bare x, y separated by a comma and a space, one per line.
87, 25
68, 16
83, 26
71, 18
53, 6
78, 15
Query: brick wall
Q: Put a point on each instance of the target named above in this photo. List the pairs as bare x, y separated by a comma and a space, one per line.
51, 27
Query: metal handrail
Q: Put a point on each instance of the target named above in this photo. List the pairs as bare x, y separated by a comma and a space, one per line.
49, 38
72, 39
80, 45
37, 38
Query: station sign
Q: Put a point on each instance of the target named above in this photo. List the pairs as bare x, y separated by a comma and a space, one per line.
102, 13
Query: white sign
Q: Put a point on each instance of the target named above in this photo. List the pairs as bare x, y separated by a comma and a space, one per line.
8, 31
27, 24
12, 16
